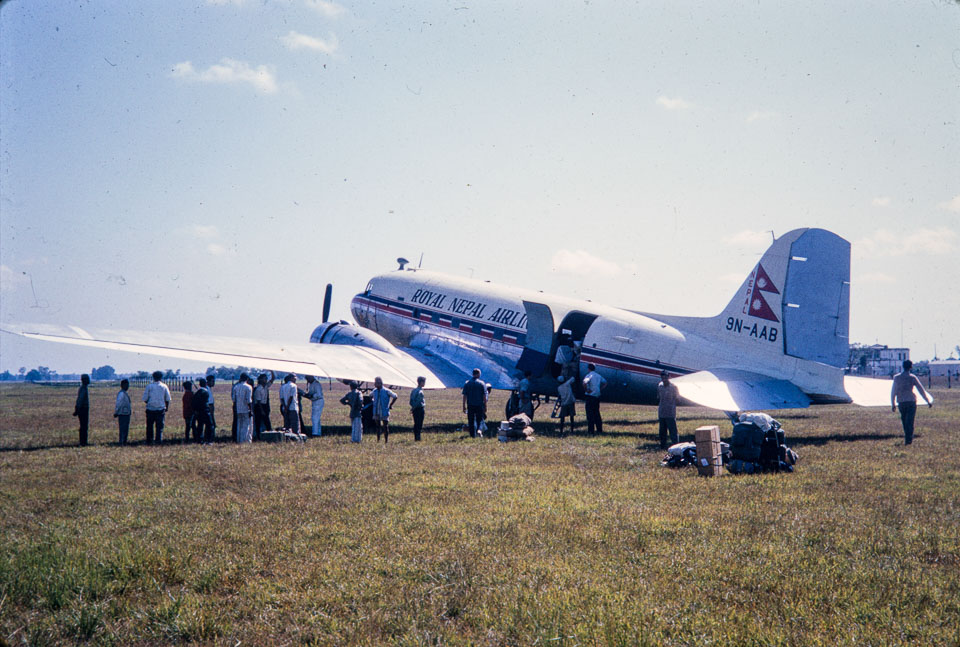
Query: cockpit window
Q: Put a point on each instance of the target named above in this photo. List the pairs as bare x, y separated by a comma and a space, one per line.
369, 287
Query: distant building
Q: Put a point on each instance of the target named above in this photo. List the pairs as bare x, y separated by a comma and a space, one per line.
944, 367
876, 360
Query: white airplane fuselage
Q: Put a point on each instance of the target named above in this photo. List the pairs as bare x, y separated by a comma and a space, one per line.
488, 326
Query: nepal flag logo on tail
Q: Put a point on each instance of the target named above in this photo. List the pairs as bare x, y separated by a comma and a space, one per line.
758, 304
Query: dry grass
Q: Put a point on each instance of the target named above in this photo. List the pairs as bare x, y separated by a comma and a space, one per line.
573, 540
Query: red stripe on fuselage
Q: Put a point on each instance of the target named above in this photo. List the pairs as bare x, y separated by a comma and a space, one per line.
444, 321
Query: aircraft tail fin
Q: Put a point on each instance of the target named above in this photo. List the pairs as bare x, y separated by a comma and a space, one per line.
796, 299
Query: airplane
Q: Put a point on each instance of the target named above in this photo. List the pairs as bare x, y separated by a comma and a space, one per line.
780, 343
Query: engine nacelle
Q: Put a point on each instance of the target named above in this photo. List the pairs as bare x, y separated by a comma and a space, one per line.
348, 334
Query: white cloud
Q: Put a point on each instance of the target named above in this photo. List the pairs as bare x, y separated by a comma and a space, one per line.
881, 201
581, 262
951, 205
884, 242
10, 279
749, 238
673, 104
328, 9
760, 115
205, 231
296, 40
216, 249
229, 70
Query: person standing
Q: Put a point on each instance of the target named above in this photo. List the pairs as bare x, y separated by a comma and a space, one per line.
187, 410
202, 431
902, 395
233, 405
418, 407
568, 401
288, 403
382, 399
211, 414
123, 410
82, 408
474, 395
354, 400
157, 397
261, 404
593, 383
243, 404
668, 395
526, 399
315, 393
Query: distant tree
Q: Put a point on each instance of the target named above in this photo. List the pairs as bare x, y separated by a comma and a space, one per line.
142, 375
6, 376
33, 375
105, 372
22, 371
169, 374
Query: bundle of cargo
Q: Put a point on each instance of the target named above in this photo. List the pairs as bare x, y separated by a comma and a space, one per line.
281, 435
757, 445
685, 454
516, 428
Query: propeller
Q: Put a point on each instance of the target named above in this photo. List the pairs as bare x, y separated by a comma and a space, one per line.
326, 302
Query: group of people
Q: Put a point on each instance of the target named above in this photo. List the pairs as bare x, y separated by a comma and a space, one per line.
251, 406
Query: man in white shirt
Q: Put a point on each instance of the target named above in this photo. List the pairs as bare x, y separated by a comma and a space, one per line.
288, 403
157, 397
382, 401
902, 395
123, 410
211, 413
593, 382
243, 404
315, 393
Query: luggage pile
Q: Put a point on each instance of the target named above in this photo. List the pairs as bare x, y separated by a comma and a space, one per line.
516, 428
281, 435
685, 454
757, 446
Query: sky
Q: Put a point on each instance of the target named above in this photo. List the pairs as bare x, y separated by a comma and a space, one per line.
211, 166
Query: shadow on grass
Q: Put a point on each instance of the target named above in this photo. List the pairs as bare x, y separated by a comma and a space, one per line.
837, 438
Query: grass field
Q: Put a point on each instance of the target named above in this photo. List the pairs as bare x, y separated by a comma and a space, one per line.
572, 540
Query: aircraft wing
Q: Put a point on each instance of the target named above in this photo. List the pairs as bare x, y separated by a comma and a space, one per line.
737, 390
872, 392
333, 361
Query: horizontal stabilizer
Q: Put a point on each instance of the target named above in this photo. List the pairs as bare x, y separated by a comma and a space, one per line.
871, 392
332, 361
730, 389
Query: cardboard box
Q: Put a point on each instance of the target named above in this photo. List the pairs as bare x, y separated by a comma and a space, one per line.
709, 461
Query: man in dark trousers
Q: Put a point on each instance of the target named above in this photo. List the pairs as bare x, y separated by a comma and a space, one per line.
903, 395
418, 407
82, 408
261, 404
593, 382
474, 397
202, 430
668, 395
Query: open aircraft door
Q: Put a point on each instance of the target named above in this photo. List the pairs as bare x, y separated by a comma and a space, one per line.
536, 356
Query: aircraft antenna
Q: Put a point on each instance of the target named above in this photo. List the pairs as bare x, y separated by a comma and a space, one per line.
403, 263
420, 264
